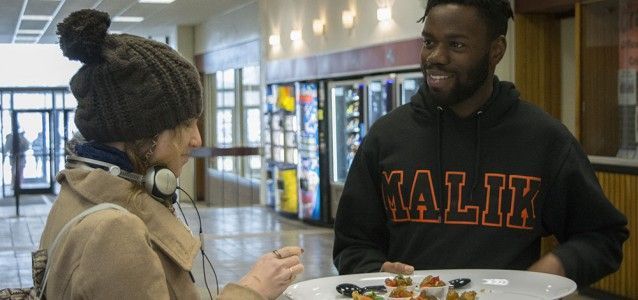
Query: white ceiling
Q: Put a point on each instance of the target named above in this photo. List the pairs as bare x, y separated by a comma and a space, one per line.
159, 19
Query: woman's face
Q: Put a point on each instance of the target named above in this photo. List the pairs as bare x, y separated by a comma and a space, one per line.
174, 146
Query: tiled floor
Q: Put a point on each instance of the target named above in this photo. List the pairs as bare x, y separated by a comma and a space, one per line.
234, 239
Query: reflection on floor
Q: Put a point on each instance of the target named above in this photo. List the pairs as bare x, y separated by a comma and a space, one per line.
234, 238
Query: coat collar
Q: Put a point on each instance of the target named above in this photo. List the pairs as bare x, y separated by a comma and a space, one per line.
166, 231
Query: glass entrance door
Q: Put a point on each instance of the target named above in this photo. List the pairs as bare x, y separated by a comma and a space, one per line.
27, 143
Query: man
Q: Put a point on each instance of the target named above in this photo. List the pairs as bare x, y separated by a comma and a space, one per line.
468, 175
17, 165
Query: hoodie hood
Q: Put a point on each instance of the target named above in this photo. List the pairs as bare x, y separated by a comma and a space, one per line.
504, 96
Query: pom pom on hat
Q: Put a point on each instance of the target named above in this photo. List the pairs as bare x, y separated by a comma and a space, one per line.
82, 34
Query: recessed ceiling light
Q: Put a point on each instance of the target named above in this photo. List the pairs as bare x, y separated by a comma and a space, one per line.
127, 19
30, 31
26, 37
36, 18
156, 1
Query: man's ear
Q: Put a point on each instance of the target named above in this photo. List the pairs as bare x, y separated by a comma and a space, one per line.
497, 50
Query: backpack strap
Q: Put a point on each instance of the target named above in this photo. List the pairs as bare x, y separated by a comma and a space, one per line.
63, 231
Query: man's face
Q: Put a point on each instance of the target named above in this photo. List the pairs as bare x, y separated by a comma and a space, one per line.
455, 57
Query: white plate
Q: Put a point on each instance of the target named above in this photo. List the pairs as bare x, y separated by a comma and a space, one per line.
489, 284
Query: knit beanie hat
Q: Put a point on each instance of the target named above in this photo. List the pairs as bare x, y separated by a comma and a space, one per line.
129, 87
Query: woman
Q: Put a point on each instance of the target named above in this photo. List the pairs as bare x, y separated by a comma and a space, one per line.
138, 104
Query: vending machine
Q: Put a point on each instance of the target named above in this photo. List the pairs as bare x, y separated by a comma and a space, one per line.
281, 181
379, 97
267, 138
309, 162
407, 86
347, 128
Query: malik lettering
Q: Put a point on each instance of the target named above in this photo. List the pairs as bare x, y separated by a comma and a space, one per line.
508, 199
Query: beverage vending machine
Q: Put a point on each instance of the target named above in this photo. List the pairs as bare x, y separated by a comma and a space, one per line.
407, 86
346, 115
379, 97
312, 153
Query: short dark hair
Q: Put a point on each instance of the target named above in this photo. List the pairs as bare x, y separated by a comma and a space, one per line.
495, 13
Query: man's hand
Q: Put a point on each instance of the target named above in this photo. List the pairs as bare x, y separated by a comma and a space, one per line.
397, 268
549, 264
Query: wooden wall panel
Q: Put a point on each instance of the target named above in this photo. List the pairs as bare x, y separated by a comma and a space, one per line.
538, 72
622, 191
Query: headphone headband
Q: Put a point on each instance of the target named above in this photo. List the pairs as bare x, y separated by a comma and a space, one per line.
159, 182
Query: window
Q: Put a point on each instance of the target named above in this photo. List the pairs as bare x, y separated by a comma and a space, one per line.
609, 58
225, 111
238, 118
251, 115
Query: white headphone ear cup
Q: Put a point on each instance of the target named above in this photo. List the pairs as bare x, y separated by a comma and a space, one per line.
160, 182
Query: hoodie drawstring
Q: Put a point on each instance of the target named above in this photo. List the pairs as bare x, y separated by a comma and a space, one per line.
439, 196
477, 154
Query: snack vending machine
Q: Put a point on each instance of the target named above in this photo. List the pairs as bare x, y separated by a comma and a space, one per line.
407, 86
379, 97
283, 157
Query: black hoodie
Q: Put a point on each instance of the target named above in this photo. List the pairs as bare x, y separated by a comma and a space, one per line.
435, 191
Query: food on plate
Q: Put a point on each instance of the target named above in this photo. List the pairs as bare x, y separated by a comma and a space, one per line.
400, 292
398, 280
432, 281
366, 296
451, 295
467, 295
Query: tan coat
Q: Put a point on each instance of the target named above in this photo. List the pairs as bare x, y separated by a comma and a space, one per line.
144, 254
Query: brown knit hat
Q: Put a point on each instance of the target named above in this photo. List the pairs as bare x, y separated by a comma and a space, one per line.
129, 87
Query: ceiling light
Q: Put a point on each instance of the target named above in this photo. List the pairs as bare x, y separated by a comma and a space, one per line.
156, 1
384, 14
273, 40
25, 39
318, 26
127, 19
36, 18
30, 31
295, 35
347, 19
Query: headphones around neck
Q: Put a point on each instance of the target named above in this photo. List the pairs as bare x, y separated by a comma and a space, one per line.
160, 182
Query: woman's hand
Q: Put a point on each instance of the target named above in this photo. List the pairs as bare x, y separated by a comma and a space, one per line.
274, 271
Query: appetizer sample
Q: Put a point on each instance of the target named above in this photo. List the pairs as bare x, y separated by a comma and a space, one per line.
366, 296
467, 295
401, 292
432, 281
398, 280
